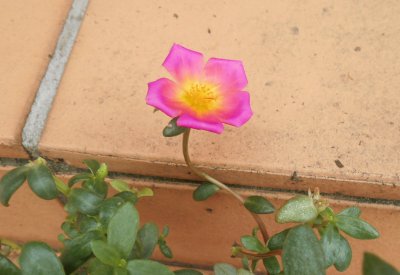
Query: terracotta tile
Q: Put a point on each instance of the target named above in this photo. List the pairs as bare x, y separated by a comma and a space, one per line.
23, 220
201, 233
29, 31
322, 79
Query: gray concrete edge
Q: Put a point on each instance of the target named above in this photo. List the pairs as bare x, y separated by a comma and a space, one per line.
36, 120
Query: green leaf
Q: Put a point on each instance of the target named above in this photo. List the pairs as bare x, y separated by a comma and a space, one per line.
61, 186
145, 192
259, 205
254, 264
83, 201
7, 267
254, 231
373, 265
39, 259
330, 244
10, 183
165, 231
302, 253
108, 208
276, 241
69, 229
187, 272
61, 237
102, 172
120, 185
127, 196
106, 253
92, 164
172, 129
244, 272
100, 187
327, 215
344, 254
147, 267
224, 269
356, 227
353, 211
41, 182
299, 209
272, 265
120, 271
147, 239
98, 268
78, 250
205, 191
253, 244
78, 178
87, 223
165, 250
122, 229
96, 184
245, 262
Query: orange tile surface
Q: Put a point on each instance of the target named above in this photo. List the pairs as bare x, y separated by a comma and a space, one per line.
322, 76
29, 218
29, 31
201, 233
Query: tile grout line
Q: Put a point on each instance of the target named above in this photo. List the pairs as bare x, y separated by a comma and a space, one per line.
48, 88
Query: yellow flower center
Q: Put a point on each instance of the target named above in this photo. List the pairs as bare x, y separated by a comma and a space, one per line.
200, 97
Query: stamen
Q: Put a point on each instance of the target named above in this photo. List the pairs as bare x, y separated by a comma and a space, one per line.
201, 97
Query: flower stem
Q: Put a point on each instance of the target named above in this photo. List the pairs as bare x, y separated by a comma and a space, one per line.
185, 147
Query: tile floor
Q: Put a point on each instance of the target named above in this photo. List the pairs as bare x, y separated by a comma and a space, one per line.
323, 79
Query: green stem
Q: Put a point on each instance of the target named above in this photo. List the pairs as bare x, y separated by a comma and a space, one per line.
61, 186
11, 244
253, 255
185, 147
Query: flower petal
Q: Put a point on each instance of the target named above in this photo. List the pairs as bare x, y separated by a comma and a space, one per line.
160, 94
240, 112
182, 63
188, 121
229, 74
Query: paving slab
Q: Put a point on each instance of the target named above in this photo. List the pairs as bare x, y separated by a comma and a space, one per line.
323, 79
210, 226
29, 31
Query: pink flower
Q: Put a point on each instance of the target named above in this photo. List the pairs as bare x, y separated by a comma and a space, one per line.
202, 96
